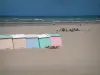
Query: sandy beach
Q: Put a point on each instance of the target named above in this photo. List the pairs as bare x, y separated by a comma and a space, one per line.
78, 56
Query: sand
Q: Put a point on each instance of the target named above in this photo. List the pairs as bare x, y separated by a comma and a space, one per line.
78, 56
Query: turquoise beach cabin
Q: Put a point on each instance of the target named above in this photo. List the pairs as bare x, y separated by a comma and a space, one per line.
32, 41
6, 42
44, 40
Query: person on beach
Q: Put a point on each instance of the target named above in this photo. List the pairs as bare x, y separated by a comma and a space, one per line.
63, 29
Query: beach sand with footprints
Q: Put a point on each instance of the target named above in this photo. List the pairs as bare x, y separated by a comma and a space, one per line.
79, 54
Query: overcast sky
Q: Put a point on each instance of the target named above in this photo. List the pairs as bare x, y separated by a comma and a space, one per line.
49, 7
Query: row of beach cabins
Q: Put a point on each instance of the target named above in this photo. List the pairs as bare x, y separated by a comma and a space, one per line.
22, 41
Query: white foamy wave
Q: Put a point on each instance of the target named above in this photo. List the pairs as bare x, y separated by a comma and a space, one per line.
39, 19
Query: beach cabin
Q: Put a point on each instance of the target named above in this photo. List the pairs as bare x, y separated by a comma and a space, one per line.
19, 41
32, 41
5, 42
44, 40
55, 39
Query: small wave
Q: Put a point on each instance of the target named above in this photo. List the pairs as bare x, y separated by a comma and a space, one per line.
39, 19
24, 19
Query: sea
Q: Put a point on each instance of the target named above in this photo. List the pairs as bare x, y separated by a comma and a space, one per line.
48, 19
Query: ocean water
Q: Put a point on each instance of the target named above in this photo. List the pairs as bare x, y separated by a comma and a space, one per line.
48, 19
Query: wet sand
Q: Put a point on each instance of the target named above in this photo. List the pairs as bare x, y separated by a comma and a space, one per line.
78, 56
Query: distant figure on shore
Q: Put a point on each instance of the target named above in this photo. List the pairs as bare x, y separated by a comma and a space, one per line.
72, 30
53, 23
66, 30
57, 31
76, 29
63, 29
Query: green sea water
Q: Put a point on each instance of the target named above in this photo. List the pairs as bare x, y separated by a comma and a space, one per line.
47, 18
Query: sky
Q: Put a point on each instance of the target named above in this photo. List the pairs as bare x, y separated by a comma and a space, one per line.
49, 7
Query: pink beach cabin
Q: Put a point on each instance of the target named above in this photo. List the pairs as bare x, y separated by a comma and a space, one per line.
55, 40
